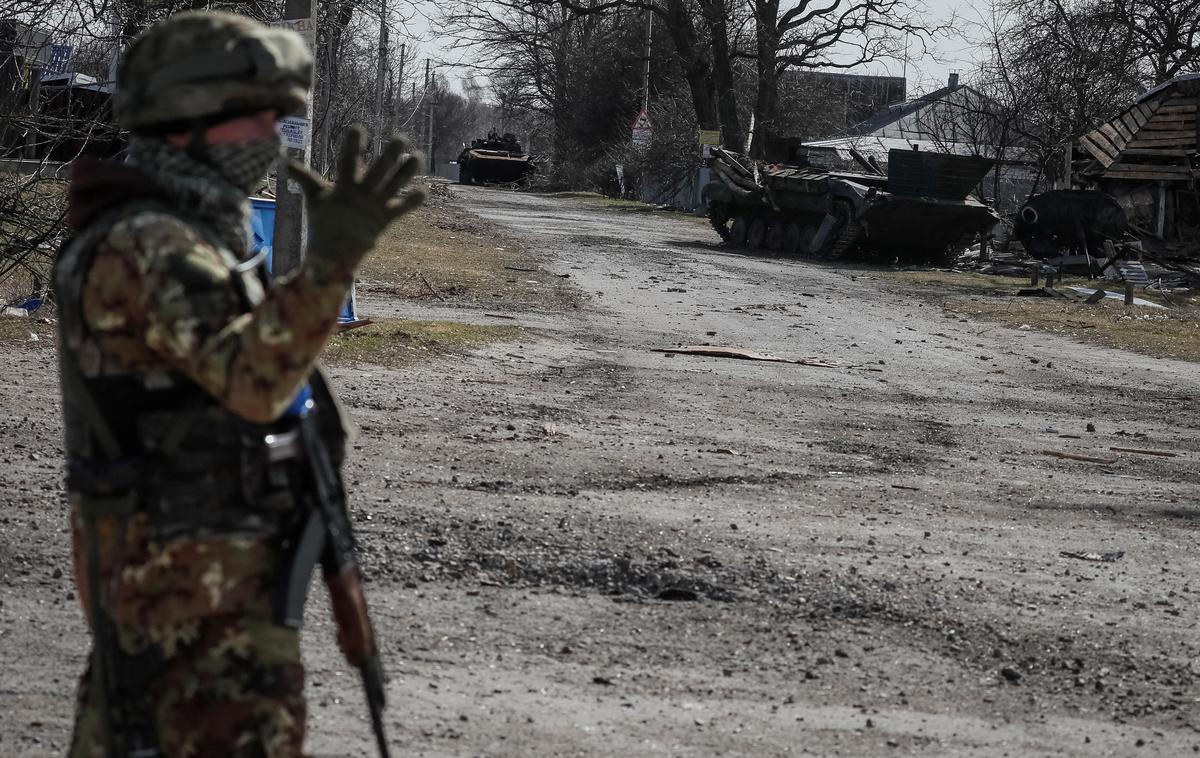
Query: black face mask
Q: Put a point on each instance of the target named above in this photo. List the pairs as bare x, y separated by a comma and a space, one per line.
244, 164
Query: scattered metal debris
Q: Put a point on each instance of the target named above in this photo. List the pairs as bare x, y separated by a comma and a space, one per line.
1077, 457
1094, 296
1080, 555
747, 355
1142, 451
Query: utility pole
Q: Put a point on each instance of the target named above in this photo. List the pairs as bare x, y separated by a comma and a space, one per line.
647, 195
380, 72
429, 125
291, 224
399, 91
646, 62
35, 107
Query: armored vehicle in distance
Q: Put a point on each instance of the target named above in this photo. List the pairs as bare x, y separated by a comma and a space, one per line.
497, 159
920, 210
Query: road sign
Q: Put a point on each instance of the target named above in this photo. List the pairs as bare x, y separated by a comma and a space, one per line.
293, 130
709, 137
643, 131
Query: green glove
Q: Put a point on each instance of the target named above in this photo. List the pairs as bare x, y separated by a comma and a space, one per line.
348, 216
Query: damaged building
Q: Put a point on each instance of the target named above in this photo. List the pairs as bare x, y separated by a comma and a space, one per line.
1146, 158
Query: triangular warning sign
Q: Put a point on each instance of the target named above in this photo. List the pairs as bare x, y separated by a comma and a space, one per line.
642, 122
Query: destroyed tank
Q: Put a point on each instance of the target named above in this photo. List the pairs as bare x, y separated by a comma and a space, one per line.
920, 210
1066, 221
497, 159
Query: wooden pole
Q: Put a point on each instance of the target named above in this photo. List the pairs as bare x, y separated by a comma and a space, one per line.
380, 73
290, 218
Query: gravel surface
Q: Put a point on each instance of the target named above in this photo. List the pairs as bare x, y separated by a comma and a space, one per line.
579, 546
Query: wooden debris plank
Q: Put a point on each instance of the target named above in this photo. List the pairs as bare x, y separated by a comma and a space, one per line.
1138, 117
1144, 451
1130, 124
1120, 134
1169, 118
1173, 109
1182, 144
1078, 457
1114, 136
1097, 152
1147, 176
1104, 143
1165, 135
1153, 151
1158, 125
1170, 169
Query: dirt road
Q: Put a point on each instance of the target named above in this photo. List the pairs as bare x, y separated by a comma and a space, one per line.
580, 546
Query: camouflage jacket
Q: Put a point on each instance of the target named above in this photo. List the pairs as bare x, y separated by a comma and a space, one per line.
159, 296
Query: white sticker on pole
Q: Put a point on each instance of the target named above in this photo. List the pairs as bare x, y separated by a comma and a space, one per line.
302, 26
293, 130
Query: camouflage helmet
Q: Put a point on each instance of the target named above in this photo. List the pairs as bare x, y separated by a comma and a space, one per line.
200, 66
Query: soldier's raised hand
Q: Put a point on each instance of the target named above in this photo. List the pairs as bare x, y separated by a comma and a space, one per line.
347, 216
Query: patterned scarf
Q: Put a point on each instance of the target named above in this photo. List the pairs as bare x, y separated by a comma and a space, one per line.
200, 190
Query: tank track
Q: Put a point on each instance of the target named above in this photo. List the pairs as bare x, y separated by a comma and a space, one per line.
846, 241
719, 218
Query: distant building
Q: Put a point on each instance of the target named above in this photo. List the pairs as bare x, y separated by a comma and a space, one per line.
47, 111
816, 104
847, 99
1145, 157
953, 119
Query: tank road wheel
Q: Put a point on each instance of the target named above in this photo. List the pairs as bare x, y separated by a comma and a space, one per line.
757, 234
775, 238
791, 239
737, 232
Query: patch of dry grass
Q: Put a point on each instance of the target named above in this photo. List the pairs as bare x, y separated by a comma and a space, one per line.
955, 281
16, 331
1171, 333
445, 253
1163, 334
397, 342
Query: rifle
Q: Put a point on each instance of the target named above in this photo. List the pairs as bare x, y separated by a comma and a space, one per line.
342, 578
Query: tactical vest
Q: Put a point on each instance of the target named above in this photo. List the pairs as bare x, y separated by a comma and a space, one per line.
157, 442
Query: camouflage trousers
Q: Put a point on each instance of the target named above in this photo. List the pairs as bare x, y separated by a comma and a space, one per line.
235, 690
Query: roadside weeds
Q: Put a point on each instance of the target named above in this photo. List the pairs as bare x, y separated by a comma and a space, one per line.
394, 343
1172, 333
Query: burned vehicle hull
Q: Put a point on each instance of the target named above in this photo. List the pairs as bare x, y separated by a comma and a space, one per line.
920, 211
495, 160
1061, 222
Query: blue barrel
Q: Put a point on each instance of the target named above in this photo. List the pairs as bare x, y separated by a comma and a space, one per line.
262, 237
262, 226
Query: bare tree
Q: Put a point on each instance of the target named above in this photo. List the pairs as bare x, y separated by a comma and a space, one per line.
1163, 35
838, 34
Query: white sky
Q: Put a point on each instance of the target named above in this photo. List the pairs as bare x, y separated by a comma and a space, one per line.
924, 72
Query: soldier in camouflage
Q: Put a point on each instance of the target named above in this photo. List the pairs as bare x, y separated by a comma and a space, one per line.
184, 372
